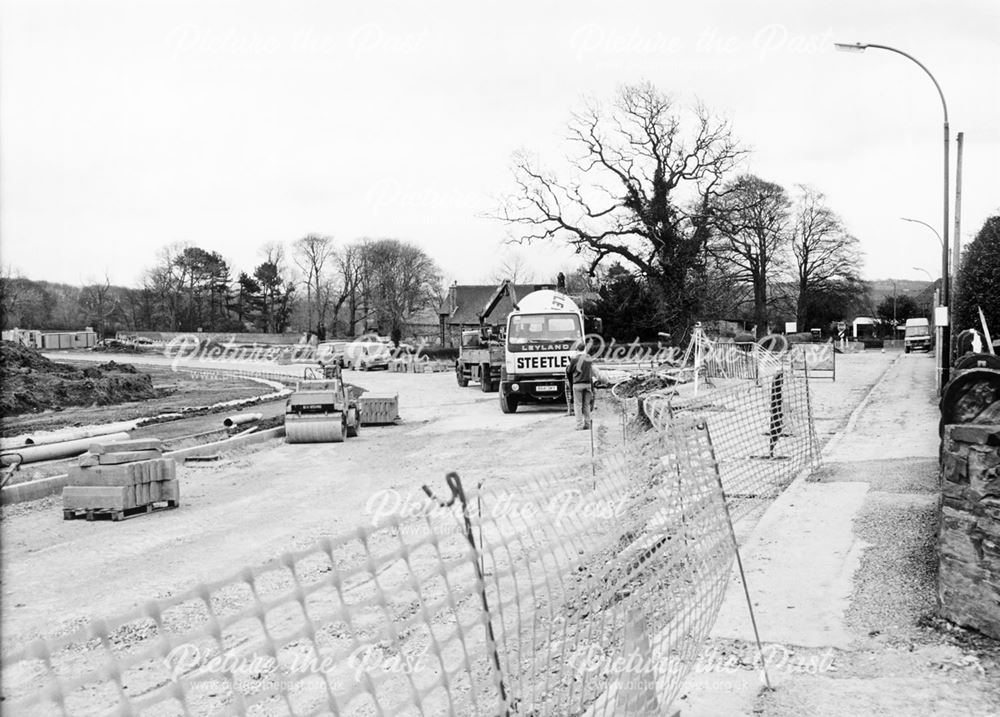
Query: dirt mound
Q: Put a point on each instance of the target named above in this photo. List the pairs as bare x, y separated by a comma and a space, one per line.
117, 367
113, 346
31, 383
639, 385
15, 358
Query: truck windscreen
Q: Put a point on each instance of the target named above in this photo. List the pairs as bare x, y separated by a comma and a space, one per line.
543, 328
912, 331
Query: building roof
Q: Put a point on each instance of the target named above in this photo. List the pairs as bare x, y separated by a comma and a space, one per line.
465, 301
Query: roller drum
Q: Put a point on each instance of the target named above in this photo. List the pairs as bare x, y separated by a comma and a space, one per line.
314, 429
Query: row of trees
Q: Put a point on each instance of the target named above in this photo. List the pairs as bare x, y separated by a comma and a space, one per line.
191, 288
979, 280
654, 202
48, 305
312, 285
655, 192
368, 283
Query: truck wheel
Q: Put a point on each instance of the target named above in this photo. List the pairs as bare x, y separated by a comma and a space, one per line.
906, 349
485, 378
508, 404
463, 380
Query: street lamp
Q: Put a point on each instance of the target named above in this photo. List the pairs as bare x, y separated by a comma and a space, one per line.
917, 221
945, 338
917, 268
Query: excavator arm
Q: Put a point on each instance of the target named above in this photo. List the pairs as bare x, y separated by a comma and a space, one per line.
506, 288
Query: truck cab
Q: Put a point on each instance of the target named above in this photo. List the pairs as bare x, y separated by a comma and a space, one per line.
541, 334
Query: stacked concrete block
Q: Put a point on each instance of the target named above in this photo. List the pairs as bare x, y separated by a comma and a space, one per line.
378, 409
119, 477
969, 533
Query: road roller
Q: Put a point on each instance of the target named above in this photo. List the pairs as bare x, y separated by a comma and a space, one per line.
321, 412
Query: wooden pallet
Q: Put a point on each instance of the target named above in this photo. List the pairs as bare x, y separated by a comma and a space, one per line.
112, 514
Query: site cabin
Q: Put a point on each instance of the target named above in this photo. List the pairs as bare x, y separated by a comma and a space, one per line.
917, 335
541, 333
26, 337
52, 340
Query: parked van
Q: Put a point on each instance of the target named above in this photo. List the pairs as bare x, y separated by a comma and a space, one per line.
917, 336
365, 355
330, 353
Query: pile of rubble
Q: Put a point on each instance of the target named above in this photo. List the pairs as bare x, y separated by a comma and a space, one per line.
642, 384
30, 383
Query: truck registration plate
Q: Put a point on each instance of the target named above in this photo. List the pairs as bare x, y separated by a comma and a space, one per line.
547, 388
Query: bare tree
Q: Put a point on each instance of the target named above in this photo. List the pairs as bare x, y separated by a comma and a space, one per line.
825, 252
647, 180
100, 303
753, 219
312, 252
12, 293
513, 267
399, 278
726, 294
349, 262
277, 289
164, 283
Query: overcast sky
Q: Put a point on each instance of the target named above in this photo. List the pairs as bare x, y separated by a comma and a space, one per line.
128, 125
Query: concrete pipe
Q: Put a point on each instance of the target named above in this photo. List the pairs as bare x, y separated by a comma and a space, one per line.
55, 451
238, 419
66, 434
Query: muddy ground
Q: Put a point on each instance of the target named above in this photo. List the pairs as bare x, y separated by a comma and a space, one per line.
254, 505
32, 383
258, 504
167, 392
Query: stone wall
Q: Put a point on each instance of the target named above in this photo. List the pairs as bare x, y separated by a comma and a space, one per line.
969, 532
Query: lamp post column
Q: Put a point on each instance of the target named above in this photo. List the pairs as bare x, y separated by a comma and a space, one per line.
942, 321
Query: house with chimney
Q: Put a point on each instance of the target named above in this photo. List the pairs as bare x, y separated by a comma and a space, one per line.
461, 308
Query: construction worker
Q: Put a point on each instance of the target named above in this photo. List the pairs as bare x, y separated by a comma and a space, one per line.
580, 377
777, 410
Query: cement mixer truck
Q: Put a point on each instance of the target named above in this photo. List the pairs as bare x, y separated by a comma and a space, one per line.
541, 331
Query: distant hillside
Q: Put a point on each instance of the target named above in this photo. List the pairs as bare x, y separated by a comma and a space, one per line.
921, 291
